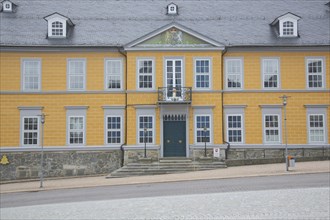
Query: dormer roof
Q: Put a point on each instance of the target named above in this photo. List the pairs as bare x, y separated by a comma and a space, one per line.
58, 15
285, 16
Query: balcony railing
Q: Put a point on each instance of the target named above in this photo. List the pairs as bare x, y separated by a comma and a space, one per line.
174, 94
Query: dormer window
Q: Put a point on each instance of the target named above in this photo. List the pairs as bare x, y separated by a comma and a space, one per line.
8, 6
286, 25
172, 9
58, 25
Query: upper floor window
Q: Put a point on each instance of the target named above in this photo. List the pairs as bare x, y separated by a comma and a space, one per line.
234, 73
58, 25
202, 73
145, 73
113, 74
286, 25
270, 73
76, 74
31, 74
315, 73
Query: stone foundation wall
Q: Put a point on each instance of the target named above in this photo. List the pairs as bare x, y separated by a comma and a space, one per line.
132, 156
26, 165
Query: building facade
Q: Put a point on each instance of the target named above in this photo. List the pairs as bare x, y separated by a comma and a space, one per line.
174, 78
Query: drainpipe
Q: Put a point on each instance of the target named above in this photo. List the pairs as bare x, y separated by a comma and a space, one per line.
120, 50
222, 103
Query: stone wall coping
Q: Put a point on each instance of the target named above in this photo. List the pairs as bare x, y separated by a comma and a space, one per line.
56, 149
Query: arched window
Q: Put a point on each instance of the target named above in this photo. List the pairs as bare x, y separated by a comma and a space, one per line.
57, 28
288, 29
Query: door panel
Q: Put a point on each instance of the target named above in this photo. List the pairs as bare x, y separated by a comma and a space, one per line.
174, 138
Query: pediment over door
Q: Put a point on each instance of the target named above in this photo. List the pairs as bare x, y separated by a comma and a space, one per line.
174, 37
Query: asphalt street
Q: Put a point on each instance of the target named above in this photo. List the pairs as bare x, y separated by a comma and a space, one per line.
305, 196
165, 189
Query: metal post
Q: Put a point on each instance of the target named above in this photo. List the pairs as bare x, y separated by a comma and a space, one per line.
205, 141
145, 142
42, 120
284, 98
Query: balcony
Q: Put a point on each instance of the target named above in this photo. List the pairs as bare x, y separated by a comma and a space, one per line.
171, 95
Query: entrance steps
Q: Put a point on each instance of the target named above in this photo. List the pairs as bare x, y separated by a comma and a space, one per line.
166, 166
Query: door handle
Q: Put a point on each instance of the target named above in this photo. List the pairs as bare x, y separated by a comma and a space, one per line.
168, 141
180, 141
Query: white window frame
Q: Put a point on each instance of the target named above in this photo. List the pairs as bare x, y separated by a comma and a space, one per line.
172, 11
265, 73
278, 128
114, 129
322, 74
30, 131
295, 28
312, 110
148, 130
152, 74
210, 129
29, 112
10, 8
235, 129
209, 73
50, 27
76, 111
24, 62
310, 129
70, 74
240, 74
83, 130
114, 111
108, 72
142, 111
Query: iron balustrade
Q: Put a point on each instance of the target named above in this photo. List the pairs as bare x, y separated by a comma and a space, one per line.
174, 94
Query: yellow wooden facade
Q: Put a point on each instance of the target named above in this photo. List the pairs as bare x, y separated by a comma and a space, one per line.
54, 97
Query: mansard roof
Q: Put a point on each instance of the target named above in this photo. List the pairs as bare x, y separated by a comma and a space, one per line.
117, 23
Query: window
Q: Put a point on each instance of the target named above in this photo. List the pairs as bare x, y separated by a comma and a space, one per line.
146, 122
145, 74
234, 73
270, 71
76, 130
31, 74
315, 73
172, 9
76, 74
203, 129
57, 28
7, 6
271, 129
234, 129
30, 131
316, 128
288, 29
202, 74
113, 74
113, 130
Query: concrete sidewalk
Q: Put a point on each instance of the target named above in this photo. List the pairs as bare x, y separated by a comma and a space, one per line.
230, 172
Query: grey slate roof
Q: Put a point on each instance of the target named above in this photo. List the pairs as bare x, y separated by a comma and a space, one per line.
119, 22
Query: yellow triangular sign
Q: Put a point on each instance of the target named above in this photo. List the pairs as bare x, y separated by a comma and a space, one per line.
4, 160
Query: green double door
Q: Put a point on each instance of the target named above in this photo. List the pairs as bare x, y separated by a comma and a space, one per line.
174, 138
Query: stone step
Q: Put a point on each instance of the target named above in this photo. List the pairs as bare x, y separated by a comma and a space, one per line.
166, 166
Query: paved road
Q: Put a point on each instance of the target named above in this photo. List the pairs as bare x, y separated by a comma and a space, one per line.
275, 197
165, 189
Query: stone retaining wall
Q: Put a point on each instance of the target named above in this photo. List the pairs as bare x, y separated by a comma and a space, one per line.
26, 165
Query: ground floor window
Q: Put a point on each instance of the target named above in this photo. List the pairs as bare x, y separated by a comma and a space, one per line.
146, 129
234, 129
203, 125
113, 130
271, 129
76, 130
30, 131
316, 128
